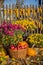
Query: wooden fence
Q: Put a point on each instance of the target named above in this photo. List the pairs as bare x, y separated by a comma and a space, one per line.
13, 13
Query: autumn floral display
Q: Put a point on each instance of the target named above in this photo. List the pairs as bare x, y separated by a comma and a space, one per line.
35, 39
21, 34
12, 39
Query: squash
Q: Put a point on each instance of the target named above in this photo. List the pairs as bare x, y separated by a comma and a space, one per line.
23, 43
31, 52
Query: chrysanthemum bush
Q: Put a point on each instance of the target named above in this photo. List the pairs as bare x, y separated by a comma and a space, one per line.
11, 34
35, 39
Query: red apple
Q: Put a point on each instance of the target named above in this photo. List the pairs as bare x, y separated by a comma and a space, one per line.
12, 47
26, 45
19, 47
22, 46
15, 48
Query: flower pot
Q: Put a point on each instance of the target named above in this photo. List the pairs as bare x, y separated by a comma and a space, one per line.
20, 53
13, 53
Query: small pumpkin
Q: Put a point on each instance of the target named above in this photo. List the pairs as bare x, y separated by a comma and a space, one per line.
23, 44
31, 52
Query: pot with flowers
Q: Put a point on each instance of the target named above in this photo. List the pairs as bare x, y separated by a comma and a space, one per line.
12, 39
36, 42
18, 47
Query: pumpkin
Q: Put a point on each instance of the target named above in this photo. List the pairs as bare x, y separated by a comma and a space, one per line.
23, 43
31, 52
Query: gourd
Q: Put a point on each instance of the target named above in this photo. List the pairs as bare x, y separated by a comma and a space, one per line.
31, 52
23, 44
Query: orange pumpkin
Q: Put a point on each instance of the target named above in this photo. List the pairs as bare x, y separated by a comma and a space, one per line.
23, 43
31, 52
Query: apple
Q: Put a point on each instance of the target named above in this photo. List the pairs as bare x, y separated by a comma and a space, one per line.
13, 47
26, 45
22, 46
19, 47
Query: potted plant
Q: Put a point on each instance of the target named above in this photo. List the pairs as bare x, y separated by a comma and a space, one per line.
12, 39
36, 42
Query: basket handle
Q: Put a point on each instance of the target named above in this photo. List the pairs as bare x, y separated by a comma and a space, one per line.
33, 45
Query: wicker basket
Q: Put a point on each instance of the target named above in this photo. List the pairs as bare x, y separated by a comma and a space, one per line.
21, 53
